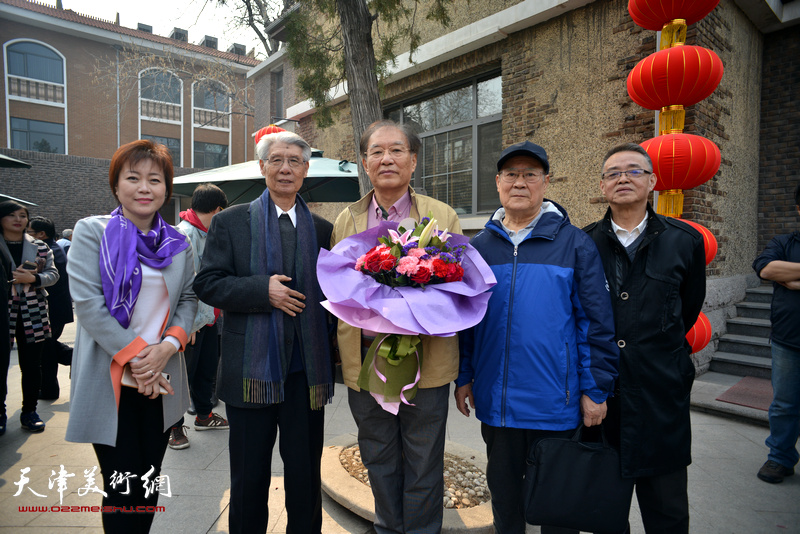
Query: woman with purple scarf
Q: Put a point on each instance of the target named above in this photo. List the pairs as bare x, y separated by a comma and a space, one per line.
131, 280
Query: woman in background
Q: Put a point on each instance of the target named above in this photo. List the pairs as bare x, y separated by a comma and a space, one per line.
32, 271
131, 279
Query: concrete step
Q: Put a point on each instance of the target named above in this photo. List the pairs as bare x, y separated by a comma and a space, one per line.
741, 365
753, 346
761, 293
748, 326
755, 310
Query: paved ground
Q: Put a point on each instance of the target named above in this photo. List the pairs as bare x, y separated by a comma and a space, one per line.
725, 495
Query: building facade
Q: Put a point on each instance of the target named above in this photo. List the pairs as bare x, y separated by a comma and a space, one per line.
555, 73
79, 87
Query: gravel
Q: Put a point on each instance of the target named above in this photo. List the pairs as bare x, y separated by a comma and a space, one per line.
464, 484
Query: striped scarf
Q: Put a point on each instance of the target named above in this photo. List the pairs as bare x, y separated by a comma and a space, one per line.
264, 369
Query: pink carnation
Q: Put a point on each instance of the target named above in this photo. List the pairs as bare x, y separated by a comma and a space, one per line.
416, 252
408, 265
360, 262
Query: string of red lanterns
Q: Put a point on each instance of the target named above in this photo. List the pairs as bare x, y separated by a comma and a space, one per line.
669, 80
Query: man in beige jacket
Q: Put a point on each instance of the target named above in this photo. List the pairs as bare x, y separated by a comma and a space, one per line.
403, 453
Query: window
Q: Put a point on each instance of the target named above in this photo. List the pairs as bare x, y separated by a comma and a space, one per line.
211, 95
161, 86
278, 92
174, 146
461, 133
39, 136
32, 60
210, 156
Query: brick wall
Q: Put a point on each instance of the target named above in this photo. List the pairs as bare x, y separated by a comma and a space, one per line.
66, 188
779, 138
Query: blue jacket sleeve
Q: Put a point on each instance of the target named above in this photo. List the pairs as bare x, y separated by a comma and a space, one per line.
466, 346
598, 353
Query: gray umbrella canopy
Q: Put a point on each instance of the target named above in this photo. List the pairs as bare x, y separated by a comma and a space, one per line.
8, 161
328, 180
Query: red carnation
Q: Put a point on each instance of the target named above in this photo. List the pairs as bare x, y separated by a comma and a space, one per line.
440, 269
422, 276
456, 275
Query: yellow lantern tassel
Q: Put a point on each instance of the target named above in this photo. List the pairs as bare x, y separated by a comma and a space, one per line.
673, 34
671, 120
670, 202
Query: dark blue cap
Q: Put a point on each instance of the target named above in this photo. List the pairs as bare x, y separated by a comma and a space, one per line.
526, 148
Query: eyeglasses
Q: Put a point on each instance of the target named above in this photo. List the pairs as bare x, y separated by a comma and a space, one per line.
630, 173
395, 153
278, 162
510, 175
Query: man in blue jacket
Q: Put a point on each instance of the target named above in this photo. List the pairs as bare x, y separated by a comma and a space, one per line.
780, 262
543, 357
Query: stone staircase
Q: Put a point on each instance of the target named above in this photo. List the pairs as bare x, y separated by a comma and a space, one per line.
744, 350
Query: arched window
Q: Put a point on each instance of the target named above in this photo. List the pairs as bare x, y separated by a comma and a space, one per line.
161, 86
212, 104
32, 60
212, 95
160, 96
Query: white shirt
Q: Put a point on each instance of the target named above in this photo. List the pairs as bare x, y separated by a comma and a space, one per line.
152, 308
625, 237
292, 213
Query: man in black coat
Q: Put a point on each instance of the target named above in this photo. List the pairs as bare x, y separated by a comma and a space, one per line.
276, 371
59, 304
655, 269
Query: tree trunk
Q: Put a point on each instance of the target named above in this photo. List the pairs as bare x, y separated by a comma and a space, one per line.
362, 82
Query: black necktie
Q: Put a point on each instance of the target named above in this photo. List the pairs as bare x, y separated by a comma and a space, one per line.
288, 243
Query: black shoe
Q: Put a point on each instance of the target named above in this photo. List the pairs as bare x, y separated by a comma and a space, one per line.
190, 410
32, 422
3, 420
773, 472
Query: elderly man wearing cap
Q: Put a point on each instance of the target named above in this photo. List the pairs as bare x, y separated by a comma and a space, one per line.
544, 357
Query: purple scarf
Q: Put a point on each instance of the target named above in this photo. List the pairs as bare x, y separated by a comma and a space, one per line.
122, 251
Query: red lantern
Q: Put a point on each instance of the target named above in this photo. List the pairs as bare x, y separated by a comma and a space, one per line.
709, 241
654, 15
680, 161
682, 75
700, 334
266, 130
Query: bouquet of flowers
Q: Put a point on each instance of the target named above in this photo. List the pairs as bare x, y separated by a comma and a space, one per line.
403, 280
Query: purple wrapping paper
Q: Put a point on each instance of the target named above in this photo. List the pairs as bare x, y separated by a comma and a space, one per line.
436, 310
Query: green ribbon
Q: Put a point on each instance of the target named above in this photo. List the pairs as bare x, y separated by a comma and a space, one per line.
392, 349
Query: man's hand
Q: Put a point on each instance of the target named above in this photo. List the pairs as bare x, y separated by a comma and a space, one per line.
462, 394
283, 298
593, 413
794, 285
192, 338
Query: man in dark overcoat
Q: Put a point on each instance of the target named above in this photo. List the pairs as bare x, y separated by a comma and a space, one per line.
276, 371
655, 269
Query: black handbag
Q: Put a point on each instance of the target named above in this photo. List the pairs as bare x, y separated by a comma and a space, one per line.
575, 484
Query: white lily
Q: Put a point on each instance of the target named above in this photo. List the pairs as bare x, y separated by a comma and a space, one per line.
425, 236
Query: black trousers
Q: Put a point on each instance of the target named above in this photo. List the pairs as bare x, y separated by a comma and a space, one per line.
507, 449
50, 351
202, 360
141, 443
30, 357
664, 503
252, 436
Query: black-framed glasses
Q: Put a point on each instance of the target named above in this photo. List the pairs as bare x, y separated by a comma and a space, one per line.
630, 173
530, 176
